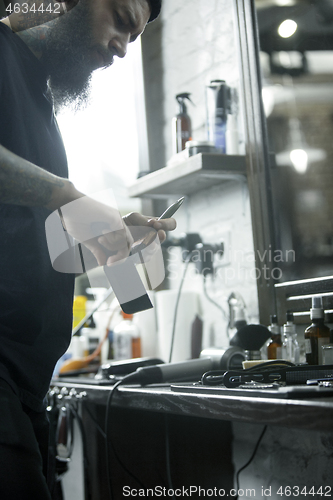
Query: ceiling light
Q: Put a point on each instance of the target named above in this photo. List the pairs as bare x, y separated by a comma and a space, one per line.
287, 28
297, 153
285, 3
268, 100
299, 158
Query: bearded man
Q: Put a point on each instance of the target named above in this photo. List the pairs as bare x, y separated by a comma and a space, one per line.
42, 68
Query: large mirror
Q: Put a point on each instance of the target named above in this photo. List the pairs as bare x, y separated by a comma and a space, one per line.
296, 59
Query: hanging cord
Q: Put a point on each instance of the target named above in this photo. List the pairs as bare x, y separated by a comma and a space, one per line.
187, 261
108, 438
98, 427
210, 298
234, 299
97, 305
251, 458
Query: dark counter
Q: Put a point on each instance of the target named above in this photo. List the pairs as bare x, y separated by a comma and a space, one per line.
315, 413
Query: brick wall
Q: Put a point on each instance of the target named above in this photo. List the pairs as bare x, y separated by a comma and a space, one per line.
192, 43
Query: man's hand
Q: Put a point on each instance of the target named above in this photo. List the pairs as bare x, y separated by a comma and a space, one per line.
99, 227
161, 226
142, 231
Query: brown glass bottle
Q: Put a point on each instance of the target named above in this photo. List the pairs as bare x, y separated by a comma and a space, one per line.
136, 347
317, 334
274, 348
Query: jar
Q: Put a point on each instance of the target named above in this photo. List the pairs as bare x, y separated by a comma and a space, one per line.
195, 147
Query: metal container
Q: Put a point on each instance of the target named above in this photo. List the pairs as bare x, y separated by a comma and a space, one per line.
217, 106
195, 147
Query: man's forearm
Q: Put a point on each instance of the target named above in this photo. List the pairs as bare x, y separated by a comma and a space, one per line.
23, 183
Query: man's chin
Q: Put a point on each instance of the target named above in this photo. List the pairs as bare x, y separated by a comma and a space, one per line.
98, 60
74, 97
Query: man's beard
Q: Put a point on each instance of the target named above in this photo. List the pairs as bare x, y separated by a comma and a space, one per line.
66, 57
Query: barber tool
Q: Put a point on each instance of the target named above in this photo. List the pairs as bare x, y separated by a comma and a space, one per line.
172, 209
124, 278
193, 369
251, 337
69, 256
277, 371
141, 244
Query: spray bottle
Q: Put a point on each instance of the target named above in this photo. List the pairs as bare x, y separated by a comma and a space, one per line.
181, 124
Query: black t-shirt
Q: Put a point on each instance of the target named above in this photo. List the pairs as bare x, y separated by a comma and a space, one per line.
35, 300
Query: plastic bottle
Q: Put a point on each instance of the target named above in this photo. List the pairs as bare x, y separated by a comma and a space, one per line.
290, 347
317, 334
126, 339
79, 309
111, 341
181, 123
90, 338
274, 347
78, 346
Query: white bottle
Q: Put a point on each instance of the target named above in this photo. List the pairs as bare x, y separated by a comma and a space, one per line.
290, 346
126, 338
231, 136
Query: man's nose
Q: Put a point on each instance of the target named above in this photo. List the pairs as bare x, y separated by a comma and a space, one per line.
118, 44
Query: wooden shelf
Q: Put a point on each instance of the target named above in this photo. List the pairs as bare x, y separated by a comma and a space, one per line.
198, 172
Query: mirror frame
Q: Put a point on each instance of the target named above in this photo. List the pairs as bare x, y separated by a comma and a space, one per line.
257, 156
273, 297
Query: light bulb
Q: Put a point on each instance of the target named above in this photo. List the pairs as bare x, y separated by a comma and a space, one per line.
287, 28
299, 159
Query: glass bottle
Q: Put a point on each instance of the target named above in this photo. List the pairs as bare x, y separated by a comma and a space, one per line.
290, 346
327, 351
274, 348
317, 334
